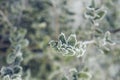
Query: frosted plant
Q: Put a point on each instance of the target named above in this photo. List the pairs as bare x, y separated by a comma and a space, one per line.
70, 46
73, 74
94, 13
14, 71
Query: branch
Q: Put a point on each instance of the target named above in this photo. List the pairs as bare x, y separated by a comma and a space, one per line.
57, 25
115, 30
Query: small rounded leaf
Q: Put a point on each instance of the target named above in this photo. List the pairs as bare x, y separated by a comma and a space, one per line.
7, 77
6, 71
53, 43
11, 58
72, 40
24, 43
64, 78
17, 69
62, 38
59, 44
18, 60
71, 52
89, 15
100, 14
84, 75
107, 36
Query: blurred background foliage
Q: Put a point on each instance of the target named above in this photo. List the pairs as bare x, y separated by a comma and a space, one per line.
44, 20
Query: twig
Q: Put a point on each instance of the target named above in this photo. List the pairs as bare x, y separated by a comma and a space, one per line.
57, 25
115, 31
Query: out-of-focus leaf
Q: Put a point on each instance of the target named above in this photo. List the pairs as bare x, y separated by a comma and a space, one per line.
69, 12
84, 75
89, 15
64, 51
92, 6
107, 36
97, 17
6, 71
64, 78
59, 44
11, 58
71, 52
24, 43
7, 77
53, 43
17, 69
18, 60
77, 45
98, 30
100, 14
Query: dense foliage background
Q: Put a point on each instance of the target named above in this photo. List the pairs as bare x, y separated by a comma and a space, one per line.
44, 20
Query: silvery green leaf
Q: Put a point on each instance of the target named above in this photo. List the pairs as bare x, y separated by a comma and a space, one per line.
84, 75
107, 36
17, 69
64, 46
2, 71
62, 38
101, 51
24, 43
77, 45
19, 53
100, 14
111, 42
89, 15
74, 76
73, 70
92, 6
6, 71
59, 44
92, 21
106, 49
97, 8
18, 60
69, 12
39, 25
83, 45
11, 58
17, 48
64, 51
7, 77
22, 32
98, 30
53, 43
72, 40
97, 17
16, 77
64, 78
70, 47
80, 52
70, 52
